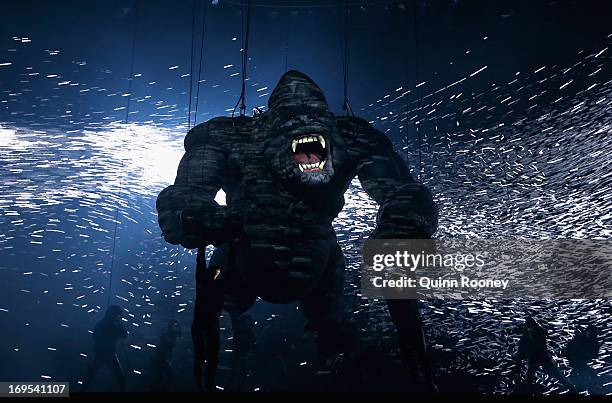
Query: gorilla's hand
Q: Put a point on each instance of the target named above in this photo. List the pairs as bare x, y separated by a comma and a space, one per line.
170, 205
408, 212
413, 232
193, 222
213, 224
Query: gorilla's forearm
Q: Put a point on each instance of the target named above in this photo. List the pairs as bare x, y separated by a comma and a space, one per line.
212, 224
408, 211
407, 208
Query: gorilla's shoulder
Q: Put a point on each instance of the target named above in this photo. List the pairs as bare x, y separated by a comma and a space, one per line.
352, 122
357, 131
220, 130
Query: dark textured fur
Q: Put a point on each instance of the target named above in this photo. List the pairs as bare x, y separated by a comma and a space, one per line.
278, 219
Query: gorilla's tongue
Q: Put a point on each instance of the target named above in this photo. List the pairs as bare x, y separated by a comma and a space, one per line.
303, 158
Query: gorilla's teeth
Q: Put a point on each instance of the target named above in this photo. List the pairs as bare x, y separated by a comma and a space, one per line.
311, 139
314, 165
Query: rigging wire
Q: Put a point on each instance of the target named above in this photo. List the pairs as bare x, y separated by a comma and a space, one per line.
345, 62
417, 79
126, 121
193, 20
176, 272
287, 42
204, 15
193, 35
245, 56
407, 99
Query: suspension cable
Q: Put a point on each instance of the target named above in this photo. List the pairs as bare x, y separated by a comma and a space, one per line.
407, 100
174, 288
417, 78
345, 63
204, 15
245, 56
287, 42
193, 19
126, 121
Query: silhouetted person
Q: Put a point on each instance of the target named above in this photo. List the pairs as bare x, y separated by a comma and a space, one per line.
163, 375
205, 327
581, 349
533, 347
105, 335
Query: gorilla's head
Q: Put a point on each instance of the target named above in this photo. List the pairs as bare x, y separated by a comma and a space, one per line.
301, 133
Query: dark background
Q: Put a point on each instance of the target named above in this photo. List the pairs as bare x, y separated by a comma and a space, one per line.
521, 35
534, 168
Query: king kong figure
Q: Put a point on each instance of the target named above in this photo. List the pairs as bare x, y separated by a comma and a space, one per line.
285, 173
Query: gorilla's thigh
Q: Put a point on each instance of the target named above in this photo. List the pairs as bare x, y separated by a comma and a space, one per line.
237, 297
281, 271
238, 301
322, 305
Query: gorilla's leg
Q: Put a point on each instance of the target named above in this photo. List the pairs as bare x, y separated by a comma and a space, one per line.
243, 339
407, 319
242, 323
242, 344
321, 307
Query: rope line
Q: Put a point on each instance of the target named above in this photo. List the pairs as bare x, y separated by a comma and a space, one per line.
127, 117
193, 19
287, 42
193, 37
204, 15
176, 273
245, 56
345, 63
407, 85
417, 78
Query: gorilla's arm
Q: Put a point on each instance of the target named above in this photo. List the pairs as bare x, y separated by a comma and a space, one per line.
407, 209
187, 212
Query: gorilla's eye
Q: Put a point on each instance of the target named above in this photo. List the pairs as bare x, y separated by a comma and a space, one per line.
289, 113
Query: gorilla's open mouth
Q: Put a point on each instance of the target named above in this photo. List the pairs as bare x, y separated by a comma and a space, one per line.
309, 152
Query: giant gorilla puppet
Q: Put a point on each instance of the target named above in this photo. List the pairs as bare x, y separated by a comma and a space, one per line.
284, 173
